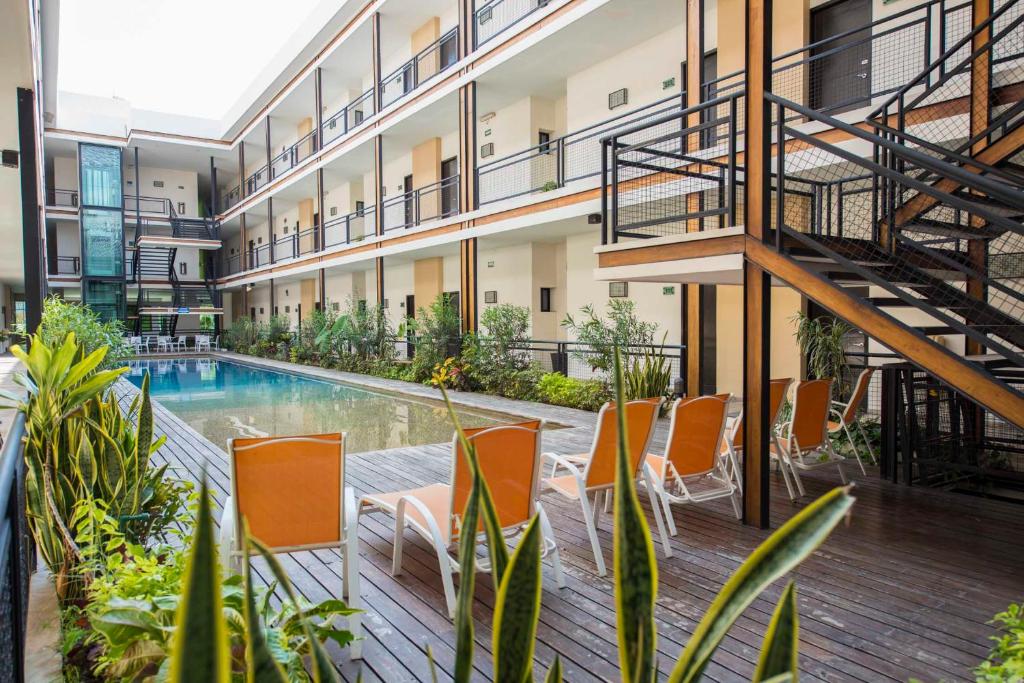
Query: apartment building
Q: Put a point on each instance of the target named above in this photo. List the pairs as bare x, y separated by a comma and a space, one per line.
559, 153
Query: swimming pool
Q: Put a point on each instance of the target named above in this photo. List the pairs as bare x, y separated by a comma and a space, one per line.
222, 400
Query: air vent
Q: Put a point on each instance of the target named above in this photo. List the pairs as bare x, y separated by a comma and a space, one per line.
158, 183
618, 290
487, 150
491, 296
618, 98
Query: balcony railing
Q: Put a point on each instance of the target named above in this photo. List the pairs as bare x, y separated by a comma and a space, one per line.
552, 164
69, 265
432, 202
293, 155
257, 180
350, 228
497, 15
229, 199
349, 117
428, 63
65, 198
160, 205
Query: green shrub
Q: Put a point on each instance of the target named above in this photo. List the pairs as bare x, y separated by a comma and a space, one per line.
584, 394
497, 361
1006, 661
242, 335
438, 331
363, 331
622, 328
62, 317
649, 376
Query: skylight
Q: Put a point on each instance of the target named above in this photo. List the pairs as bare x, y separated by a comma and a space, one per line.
185, 57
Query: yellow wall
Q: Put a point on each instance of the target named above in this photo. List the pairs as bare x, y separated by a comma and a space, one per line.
428, 280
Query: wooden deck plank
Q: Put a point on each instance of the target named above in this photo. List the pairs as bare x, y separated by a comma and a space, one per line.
903, 591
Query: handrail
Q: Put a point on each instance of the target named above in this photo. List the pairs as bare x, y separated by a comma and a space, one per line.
413, 66
413, 199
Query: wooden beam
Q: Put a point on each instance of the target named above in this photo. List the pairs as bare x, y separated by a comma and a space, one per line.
378, 264
467, 147
693, 293
468, 284
378, 184
756, 282
979, 116
933, 358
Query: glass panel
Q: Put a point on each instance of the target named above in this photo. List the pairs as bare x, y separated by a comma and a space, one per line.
101, 175
102, 243
106, 299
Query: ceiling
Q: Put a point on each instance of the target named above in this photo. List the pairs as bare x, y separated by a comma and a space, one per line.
15, 72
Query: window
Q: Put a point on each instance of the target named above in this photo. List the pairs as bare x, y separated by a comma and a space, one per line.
544, 142
183, 268
545, 299
100, 174
103, 243
181, 208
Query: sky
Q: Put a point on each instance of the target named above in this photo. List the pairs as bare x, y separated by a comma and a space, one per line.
188, 57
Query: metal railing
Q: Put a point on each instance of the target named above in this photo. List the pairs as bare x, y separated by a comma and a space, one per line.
431, 202
69, 265
144, 204
64, 198
497, 15
350, 228
229, 199
349, 117
425, 65
257, 180
550, 165
296, 153
17, 553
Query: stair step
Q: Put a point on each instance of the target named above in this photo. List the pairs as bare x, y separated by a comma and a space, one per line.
992, 206
952, 230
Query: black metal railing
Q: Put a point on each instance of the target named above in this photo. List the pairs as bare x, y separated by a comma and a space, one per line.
349, 117
257, 180
69, 265
144, 204
431, 202
550, 165
229, 199
17, 553
497, 15
350, 228
63, 198
425, 65
294, 154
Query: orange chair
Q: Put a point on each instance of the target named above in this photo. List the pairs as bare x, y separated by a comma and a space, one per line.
291, 492
846, 415
691, 470
509, 458
806, 434
594, 473
733, 446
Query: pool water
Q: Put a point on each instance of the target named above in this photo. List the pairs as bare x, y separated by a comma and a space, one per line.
223, 400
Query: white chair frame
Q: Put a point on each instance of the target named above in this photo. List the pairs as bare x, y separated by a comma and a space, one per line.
592, 511
231, 533
794, 456
447, 554
839, 411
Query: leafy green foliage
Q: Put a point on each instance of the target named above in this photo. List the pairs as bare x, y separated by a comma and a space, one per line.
584, 394
622, 328
61, 318
497, 361
822, 343
1006, 661
438, 331
648, 377
782, 641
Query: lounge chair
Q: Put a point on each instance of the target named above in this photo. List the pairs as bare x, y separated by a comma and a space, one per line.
202, 343
846, 416
732, 448
136, 344
181, 343
593, 474
803, 442
691, 470
164, 344
509, 458
291, 492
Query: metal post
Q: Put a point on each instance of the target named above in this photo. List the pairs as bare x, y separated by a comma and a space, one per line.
32, 239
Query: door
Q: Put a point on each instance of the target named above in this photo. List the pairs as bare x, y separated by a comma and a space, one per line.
840, 69
250, 255
449, 187
407, 189
449, 51
410, 334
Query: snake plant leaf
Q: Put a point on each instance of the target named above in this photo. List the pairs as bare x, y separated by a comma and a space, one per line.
517, 610
464, 641
199, 651
260, 665
636, 570
82, 368
144, 437
777, 555
321, 668
781, 642
90, 388
555, 672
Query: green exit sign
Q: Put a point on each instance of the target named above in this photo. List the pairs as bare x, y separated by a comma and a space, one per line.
668, 291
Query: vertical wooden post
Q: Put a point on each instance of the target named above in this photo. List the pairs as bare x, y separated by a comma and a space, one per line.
318, 102
241, 170
694, 294
33, 240
467, 202
375, 61
378, 184
273, 298
378, 264
757, 282
318, 229
468, 283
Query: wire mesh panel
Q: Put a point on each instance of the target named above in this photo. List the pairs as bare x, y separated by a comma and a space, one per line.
494, 17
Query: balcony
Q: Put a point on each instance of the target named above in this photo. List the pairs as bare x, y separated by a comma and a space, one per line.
62, 198
350, 228
431, 202
349, 117
498, 15
68, 265
428, 63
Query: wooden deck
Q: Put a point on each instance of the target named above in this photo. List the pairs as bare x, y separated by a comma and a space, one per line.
903, 591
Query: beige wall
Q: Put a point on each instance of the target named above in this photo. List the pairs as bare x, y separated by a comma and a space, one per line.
428, 280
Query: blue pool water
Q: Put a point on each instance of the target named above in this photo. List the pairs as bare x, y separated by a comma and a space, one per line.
223, 400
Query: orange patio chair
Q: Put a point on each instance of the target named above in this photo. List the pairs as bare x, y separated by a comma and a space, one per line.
692, 469
291, 492
594, 473
509, 458
846, 415
732, 448
804, 443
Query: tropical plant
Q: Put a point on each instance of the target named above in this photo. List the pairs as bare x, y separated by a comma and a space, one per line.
649, 376
1005, 663
61, 317
517, 603
363, 331
600, 336
242, 335
498, 360
79, 446
822, 344
438, 331
583, 394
